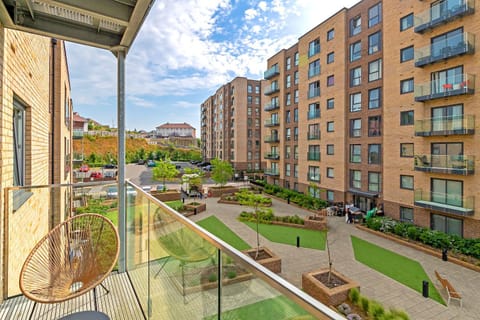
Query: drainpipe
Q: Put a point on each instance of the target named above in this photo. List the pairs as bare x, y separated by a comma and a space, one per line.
52, 130
121, 159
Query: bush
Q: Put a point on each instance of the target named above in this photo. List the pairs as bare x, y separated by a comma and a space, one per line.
231, 274
376, 310
413, 232
212, 277
354, 295
397, 315
364, 304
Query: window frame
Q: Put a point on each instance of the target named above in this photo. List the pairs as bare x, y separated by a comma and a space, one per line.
355, 76
370, 100
375, 47
331, 80
375, 130
402, 182
407, 57
331, 34
355, 51
331, 57
374, 75
355, 153
355, 25
355, 182
356, 128
330, 149
330, 126
371, 153
330, 103
373, 20
408, 19
403, 217
405, 148
409, 120
330, 172
378, 183
406, 86
355, 105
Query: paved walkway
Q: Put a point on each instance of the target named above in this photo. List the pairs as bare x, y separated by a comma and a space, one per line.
373, 284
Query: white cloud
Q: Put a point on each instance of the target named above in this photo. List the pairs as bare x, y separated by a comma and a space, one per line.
250, 14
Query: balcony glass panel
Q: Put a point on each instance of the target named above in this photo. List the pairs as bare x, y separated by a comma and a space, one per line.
271, 138
463, 43
442, 12
272, 122
271, 89
273, 71
313, 70
272, 172
313, 136
459, 84
314, 156
445, 202
450, 125
313, 92
454, 164
271, 106
313, 114
272, 156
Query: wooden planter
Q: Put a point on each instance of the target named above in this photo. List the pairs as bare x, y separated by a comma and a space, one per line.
169, 195
271, 261
329, 296
316, 223
189, 209
217, 192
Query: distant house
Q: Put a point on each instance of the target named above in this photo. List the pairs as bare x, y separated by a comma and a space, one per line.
80, 125
175, 130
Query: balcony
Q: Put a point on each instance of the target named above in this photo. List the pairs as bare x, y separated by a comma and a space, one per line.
274, 88
313, 135
77, 134
445, 126
313, 114
462, 84
272, 156
454, 46
450, 164
271, 106
272, 122
313, 71
271, 139
446, 203
272, 172
313, 92
272, 72
443, 13
166, 256
313, 156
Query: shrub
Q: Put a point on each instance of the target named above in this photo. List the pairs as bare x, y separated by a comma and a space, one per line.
376, 310
399, 229
212, 277
354, 295
413, 232
364, 304
398, 315
231, 274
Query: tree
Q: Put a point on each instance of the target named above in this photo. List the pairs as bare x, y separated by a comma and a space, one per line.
164, 170
258, 203
222, 171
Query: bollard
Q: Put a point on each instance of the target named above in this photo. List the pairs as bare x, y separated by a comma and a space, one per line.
298, 242
194, 211
288, 200
425, 288
183, 200
444, 254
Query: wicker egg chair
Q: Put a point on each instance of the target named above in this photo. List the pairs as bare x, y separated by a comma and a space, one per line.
73, 258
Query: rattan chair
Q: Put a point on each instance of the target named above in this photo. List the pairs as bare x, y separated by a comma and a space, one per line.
73, 258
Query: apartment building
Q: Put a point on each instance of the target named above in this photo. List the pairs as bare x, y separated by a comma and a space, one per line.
35, 144
230, 125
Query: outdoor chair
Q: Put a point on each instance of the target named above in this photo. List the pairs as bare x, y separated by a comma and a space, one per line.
73, 258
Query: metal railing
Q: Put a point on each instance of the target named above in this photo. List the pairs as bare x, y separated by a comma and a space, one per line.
443, 12
450, 125
460, 84
270, 73
451, 47
445, 202
455, 164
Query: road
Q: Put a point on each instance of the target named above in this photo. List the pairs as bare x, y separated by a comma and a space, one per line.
143, 176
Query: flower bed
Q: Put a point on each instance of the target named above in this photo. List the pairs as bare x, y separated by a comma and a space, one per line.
217, 192
169, 195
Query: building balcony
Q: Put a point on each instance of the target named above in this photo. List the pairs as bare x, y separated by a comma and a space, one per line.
271, 90
312, 93
272, 72
271, 139
77, 134
445, 202
164, 257
443, 13
462, 84
449, 164
272, 172
450, 48
271, 106
314, 71
313, 156
313, 136
272, 156
445, 126
313, 114
272, 122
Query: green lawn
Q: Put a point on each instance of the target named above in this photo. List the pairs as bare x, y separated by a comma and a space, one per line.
288, 235
175, 205
269, 309
218, 228
402, 269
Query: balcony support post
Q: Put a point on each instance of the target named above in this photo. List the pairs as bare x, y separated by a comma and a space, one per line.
121, 159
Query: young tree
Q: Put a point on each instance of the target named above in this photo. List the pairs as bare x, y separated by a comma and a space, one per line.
222, 171
164, 170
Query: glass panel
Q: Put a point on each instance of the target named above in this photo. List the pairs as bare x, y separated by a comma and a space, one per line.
438, 223
455, 226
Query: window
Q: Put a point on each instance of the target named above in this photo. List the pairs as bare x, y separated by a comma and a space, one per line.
313, 152
295, 133
330, 195
406, 214
375, 70
406, 182
447, 224
406, 22
355, 76
356, 179
406, 54
295, 96
287, 116
374, 153
406, 86
287, 152
355, 51
330, 81
257, 89
330, 103
374, 42
330, 126
295, 115
355, 25
314, 89
449, 192
375, 15
288, 133
288, 81
313, 131
355, 102
374, 181
295, 77
447, 118
374, 98
289, 63
314, 68
406, 150
330, 57
287, 169
288, 99
314, 173
447, 42
355, 128
313, 111
257, 100
295, 152
447, 154
18, 143
314, 191
297, 58
355, 153
249, 88
330, 34
330, 173
446, 80
406, 118
374, 126
313, 47
249, 99
330, 149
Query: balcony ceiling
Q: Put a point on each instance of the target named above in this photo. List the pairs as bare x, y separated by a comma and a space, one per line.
107, 24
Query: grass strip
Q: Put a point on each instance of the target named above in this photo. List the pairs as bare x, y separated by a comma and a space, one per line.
218, 228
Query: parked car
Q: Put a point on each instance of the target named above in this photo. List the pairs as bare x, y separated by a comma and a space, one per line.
208, 168
151, 163
112, 192
141, 161
96, 175
84, 168
203, 164
110, 166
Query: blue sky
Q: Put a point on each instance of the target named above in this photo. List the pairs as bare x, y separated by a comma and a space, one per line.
185, 50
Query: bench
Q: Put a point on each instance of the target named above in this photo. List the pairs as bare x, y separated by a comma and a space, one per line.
451, 292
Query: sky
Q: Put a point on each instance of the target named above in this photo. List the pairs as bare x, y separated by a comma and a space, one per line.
186, 50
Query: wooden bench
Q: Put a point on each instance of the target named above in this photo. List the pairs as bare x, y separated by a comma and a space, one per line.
451, 292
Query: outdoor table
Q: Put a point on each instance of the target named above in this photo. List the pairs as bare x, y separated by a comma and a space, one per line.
86, 315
